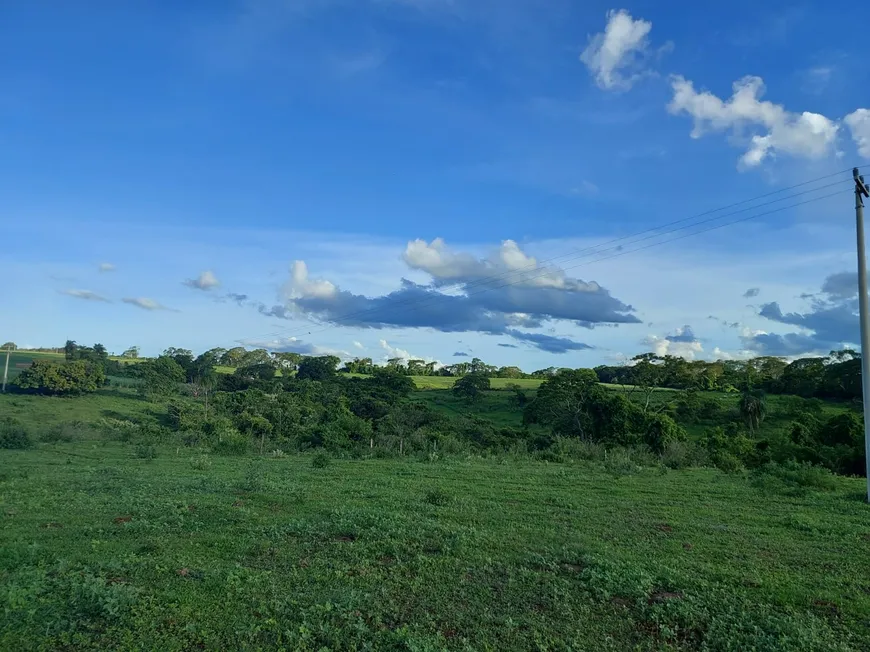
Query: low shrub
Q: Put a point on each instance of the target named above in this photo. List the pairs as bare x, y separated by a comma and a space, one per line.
726, 462
321, 461
683, 455
14, 435
437, 496
232, 443
145, 452
794, 477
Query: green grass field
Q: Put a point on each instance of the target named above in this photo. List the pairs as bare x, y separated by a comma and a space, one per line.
101, 550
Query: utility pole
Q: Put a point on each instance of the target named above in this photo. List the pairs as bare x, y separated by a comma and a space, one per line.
864, 311
6, 369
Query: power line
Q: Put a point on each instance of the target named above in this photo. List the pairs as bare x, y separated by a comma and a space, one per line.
423, 301
649, 246
574, 254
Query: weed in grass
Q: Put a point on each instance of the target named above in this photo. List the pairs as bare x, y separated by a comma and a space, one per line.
321, 461
200, 463
437, 496
145, 452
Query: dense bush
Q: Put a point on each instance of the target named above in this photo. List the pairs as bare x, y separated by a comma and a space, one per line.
13, 435
793, 477
61, 378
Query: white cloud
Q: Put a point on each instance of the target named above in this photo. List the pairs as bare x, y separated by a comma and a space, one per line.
391, 352
146, 304
300, 286
205, 281
614, 57
509, 263
107, 267
85, 295
294, 345
683, 344
859, 123
358, 345
807, 135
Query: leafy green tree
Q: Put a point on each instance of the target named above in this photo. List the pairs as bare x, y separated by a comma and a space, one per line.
471, 387
396, 383
259, 371
132, 353
67, 378
233, 357
257, 356
563, 402
287, 360
11, 346
803, 377
161, 376
317, 368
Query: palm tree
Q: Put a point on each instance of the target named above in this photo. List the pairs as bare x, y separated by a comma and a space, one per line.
753, 408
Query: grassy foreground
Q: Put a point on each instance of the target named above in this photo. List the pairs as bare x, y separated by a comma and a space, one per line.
102, 550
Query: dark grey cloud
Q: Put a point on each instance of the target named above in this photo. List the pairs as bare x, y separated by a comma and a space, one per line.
751, 293
684, 334
461, 354
527, 297
788, 345
508, 346
549, 343
235, 298
830, 323
841, 286
727, 324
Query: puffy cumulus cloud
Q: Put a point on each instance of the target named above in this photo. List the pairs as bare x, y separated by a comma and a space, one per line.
393, 353
205, 281
830, 323
859, 124
615, 57
300, 285
525, 298
85, 295
751, 293
106, 267
294, 345
358, 345
776, 130
682, 344
146, 304
507, 265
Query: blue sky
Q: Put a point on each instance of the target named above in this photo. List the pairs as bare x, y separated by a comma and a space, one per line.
407, 152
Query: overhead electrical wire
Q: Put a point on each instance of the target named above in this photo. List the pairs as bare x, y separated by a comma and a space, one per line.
594, 250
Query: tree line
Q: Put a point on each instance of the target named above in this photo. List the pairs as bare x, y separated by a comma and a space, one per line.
835, 376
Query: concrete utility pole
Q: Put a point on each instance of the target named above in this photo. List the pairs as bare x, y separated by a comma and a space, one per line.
6, 368
863, 309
